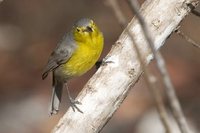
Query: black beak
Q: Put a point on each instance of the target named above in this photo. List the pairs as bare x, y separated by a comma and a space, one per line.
88, 29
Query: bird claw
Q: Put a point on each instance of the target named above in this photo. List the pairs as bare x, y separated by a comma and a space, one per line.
73, 104
102, 63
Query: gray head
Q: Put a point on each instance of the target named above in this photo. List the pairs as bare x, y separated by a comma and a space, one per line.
84, 22
84, 29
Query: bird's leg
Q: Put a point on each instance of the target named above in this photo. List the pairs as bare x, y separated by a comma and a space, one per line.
72, 101
102, 63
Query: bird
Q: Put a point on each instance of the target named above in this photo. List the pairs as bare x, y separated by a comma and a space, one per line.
74, 55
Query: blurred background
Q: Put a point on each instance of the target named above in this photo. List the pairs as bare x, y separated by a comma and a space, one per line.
29, 31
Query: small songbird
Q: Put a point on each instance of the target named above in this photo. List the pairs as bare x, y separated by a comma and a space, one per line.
76, 53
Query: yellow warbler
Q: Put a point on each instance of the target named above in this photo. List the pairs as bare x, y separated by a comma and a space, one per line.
77, 52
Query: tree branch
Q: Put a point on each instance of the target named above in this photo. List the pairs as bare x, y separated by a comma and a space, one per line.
193, 11
187, 38
149, 78
169, 88
109, 86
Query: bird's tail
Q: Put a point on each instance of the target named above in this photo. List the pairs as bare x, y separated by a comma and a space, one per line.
56, 96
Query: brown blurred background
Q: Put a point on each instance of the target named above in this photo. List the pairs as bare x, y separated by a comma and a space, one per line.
30, 29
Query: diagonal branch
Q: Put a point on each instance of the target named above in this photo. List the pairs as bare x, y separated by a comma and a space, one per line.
169, 88
109, 86
147, 75
187, 38
195, 12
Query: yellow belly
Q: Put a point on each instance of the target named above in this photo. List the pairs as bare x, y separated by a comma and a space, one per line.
83, 59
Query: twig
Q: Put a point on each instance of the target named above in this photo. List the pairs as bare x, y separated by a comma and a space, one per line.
187, 38
192, 8
149, 78
118, 13
169, 88
195, 12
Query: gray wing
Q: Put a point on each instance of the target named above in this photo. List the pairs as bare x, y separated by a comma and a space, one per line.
60, 55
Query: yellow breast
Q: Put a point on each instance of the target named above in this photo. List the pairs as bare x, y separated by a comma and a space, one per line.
84, 57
